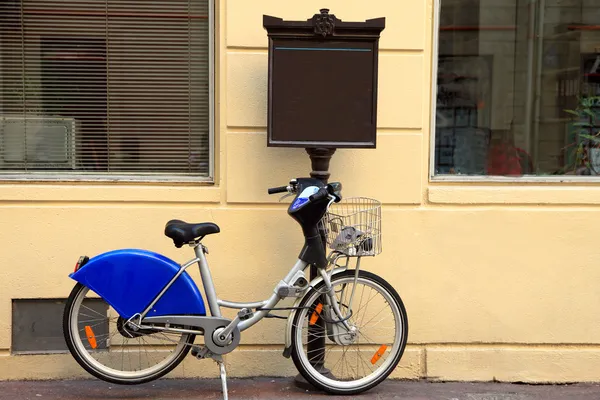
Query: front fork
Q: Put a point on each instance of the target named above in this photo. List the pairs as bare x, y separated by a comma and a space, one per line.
331, 301
339, 329
333, 304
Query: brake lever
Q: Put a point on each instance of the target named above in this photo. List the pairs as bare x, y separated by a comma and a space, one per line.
291, 190
286, 195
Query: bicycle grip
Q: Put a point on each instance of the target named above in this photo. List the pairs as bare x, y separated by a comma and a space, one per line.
321, 194
279, 189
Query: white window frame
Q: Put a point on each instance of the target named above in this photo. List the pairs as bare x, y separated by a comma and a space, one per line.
437, 7
141, 176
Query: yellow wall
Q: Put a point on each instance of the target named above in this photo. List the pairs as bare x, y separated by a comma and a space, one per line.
500, 280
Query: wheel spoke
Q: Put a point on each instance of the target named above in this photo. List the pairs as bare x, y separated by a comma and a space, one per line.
353, 361
94, 311
115, 351
380, 311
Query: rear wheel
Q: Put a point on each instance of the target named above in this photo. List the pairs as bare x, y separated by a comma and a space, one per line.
100, 341
356, 360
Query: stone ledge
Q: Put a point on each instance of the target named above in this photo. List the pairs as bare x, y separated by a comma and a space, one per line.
240, 363
560, 364
521, 363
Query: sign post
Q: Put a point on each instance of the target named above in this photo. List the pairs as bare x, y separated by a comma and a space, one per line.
322, 95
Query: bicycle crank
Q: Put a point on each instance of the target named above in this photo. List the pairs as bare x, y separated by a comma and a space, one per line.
218, 342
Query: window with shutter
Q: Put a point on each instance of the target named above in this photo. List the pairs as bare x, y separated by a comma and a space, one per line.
114, 89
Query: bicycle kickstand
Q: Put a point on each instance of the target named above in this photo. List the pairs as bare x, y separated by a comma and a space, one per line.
223, 374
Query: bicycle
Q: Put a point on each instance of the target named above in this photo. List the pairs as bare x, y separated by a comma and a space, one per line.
133, 315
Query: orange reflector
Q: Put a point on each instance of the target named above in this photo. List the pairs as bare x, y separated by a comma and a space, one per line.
378, 354
90, 336
315, 315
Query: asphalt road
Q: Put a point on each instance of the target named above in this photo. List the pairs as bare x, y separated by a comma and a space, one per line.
278, 388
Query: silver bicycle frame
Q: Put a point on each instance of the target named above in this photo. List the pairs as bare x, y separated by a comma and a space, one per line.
214, 303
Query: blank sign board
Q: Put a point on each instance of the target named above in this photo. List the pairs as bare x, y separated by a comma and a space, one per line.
322, 88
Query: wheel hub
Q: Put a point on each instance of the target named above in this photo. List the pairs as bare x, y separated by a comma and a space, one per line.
349, 337
129, 331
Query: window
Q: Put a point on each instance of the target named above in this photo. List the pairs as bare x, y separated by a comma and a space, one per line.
37, 325
518, 86
113, 89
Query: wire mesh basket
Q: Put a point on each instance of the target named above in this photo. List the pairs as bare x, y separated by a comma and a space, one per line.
353, 226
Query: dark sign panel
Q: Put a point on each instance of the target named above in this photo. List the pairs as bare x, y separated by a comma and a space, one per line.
322, 82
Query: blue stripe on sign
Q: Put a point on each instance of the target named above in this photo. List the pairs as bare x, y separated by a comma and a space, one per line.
320, 49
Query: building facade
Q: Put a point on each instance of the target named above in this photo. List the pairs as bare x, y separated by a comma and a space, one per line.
139, 112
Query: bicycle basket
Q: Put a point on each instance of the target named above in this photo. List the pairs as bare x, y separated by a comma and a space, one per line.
353, 226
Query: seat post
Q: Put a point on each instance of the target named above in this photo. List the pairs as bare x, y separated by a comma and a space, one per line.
207, 281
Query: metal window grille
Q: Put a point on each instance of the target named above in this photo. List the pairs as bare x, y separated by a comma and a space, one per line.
106, 88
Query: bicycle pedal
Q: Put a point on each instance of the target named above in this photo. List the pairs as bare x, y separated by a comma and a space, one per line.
199, 352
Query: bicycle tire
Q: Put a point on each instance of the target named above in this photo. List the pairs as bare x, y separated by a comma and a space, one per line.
318, 380
98, 372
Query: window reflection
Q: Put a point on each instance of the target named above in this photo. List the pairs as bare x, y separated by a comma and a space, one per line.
516, 88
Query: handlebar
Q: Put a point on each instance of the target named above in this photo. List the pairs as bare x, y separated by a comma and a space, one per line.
332, 189
279, 189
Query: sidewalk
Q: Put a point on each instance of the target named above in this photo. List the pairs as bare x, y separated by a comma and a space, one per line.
279, 388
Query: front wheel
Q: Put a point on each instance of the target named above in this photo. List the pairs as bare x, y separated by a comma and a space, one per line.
100, 341
352, 361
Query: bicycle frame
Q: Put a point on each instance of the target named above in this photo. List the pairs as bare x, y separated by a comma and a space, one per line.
132, 280
215, 304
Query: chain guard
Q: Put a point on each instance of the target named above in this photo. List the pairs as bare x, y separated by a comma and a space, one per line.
208, 325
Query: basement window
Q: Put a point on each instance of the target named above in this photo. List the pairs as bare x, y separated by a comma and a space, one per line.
37, 325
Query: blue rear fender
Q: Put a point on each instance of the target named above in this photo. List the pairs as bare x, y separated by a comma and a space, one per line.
130, 279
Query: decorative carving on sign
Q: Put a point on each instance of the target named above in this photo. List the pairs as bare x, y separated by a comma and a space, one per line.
324, 23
